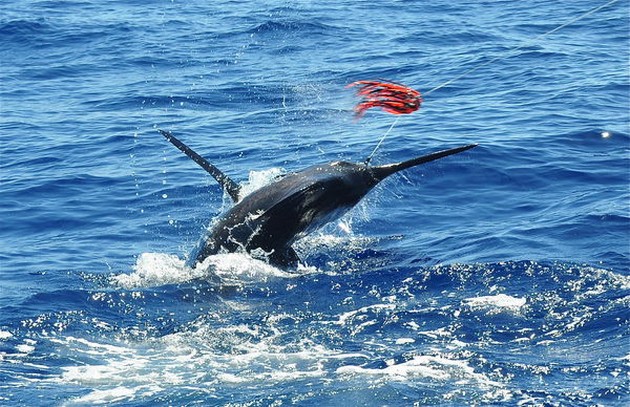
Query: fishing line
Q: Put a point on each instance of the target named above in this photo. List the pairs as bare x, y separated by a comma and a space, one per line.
511, 51
507, 54
369, 158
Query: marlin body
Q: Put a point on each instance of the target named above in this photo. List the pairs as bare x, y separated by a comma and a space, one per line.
268, 221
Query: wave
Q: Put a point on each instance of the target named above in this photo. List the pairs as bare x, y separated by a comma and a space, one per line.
443, 323
24, 30
44, 33
291, 26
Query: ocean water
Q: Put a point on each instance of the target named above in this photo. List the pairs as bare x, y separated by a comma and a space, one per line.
499, 276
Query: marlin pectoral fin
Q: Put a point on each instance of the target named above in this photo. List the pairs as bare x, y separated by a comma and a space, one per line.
287, 259
231, 187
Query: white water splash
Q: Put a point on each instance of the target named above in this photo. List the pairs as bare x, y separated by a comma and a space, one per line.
196, 359
239, 268
157, 269
497, 302
258, 179
433, 367
4, 335
154, 269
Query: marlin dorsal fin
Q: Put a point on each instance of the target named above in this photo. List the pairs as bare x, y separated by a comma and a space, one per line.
231, 187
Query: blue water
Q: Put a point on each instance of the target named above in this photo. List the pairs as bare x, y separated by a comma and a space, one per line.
496, 277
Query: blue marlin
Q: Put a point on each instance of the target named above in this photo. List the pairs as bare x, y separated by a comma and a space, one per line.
266, 222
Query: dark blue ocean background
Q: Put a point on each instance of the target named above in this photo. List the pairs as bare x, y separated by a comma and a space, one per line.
500, 276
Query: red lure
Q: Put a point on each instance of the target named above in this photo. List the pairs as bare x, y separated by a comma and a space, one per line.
392, 97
